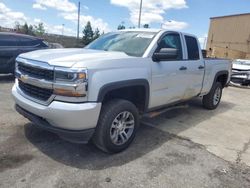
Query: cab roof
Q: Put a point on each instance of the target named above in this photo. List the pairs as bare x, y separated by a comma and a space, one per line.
144, 30
18, 35
155, 31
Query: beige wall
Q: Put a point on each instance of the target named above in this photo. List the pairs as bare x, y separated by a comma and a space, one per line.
230, 36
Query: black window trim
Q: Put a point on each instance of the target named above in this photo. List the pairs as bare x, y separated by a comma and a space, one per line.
37, 45
187, 57
165, 34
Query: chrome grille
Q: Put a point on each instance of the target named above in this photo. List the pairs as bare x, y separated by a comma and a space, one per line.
32, 71
35, 92
35, 80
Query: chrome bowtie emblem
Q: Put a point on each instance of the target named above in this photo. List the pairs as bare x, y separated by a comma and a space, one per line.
24, 77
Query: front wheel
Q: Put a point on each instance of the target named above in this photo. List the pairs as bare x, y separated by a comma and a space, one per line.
212, 99
117, 125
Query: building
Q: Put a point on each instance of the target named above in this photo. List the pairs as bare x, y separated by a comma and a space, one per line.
5, 29
229, 37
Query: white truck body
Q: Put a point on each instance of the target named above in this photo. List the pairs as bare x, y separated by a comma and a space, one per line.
165, 82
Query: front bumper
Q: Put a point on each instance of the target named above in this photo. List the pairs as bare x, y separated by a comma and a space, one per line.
61, 115
82, 136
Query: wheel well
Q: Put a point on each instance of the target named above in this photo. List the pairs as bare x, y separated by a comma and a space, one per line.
222, 79
135, 94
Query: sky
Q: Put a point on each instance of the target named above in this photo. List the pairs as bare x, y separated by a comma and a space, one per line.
191, 16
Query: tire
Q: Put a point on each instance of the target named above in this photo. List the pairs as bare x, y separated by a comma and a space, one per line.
114, 117
212, 99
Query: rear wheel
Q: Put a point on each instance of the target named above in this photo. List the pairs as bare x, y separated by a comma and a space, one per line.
212, 99
117, 125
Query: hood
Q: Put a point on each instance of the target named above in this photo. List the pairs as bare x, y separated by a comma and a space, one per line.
67, 57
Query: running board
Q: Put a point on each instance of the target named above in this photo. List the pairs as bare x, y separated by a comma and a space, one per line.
163, 110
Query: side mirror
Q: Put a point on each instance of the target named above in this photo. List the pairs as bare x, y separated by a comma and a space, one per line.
165, 54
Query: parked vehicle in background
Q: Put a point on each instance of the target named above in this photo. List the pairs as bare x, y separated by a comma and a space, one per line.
53, 45
99, 92
241, 72
12, 44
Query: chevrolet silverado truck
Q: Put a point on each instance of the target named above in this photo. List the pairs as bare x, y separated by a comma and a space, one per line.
99, 93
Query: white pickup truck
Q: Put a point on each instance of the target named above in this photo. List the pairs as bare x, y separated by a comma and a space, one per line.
99, 92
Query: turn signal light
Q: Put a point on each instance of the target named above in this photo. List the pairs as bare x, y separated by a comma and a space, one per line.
69, 93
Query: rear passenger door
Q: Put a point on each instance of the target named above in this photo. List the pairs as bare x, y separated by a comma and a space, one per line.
195, 67
8, 53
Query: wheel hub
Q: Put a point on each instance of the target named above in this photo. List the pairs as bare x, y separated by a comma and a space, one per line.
217, 95
122, 128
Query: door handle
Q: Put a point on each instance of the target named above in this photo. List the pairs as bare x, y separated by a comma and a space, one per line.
201, 67
183, 68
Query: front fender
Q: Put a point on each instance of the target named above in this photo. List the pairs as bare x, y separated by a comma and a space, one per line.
122, 84
114, 78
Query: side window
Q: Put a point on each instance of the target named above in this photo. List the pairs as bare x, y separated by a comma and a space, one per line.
192, 48
8, 41
172, 40
28, 42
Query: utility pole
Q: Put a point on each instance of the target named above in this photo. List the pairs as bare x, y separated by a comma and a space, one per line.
78, 21
139, 21
205, 43
62, 29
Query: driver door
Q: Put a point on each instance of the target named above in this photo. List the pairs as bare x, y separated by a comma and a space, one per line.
168, 75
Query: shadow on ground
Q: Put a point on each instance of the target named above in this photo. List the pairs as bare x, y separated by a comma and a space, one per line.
7, 78
147, 139
181, 119
88, 156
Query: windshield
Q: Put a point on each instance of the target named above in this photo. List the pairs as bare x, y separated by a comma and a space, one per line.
132, 43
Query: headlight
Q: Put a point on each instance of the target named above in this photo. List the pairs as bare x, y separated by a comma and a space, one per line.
71, 82
70, 75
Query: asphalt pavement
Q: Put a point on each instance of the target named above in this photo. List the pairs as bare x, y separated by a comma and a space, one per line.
185, 147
